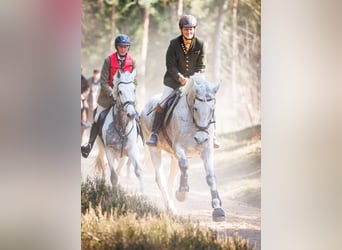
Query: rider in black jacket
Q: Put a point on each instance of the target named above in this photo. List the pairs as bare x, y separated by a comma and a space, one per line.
184, 57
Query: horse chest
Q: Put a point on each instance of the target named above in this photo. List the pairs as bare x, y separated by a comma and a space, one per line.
116, 133
115, 137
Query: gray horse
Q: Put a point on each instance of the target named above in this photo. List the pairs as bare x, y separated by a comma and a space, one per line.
120, 131
188, 134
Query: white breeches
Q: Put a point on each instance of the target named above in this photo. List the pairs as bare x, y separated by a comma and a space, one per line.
166, 92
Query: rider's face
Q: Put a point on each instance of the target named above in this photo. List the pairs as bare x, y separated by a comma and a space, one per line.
122, 49
188, 32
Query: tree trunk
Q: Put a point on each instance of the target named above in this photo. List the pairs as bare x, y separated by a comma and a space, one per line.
218, 39
179, 8
100, 4
112, 23
234, 51
144, 46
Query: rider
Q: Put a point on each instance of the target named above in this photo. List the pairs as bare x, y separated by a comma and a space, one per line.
184, 57
120, 59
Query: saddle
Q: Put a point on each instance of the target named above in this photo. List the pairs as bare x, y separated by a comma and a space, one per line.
170, 104
113, 131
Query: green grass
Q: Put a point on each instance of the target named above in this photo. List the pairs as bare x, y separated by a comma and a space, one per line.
111, 219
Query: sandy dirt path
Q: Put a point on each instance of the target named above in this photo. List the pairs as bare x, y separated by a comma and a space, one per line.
238, 175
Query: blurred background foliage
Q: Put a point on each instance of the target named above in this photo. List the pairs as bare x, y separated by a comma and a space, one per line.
230, 28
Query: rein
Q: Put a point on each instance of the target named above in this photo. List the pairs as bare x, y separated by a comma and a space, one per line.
120, 107
127, 102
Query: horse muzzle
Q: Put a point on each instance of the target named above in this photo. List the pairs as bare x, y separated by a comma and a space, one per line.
201, 137
130, 111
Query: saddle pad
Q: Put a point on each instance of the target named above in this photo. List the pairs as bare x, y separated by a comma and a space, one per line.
170, 106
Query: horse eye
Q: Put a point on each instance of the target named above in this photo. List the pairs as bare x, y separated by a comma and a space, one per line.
120, 92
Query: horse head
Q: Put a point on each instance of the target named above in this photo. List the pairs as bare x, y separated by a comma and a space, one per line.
124, 92
203, 106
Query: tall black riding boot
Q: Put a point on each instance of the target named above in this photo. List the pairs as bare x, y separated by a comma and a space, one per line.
94, 131
157, 122
86, 148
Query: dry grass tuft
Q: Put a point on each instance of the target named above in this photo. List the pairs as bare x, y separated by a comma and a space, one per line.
113, 220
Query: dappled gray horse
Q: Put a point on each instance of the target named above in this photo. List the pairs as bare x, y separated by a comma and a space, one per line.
189, 133
120, 131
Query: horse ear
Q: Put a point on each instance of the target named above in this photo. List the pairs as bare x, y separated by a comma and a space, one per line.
193, 84
216, 87
118, 73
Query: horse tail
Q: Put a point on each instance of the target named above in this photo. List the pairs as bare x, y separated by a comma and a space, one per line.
99, 164
100, 159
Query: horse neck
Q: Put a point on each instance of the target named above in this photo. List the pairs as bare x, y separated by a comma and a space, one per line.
120, 116
190, 97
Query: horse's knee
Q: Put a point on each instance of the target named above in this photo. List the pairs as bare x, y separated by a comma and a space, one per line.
183, 164
138, 172
211, 179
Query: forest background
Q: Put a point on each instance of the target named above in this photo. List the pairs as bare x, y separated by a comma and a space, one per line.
230, 28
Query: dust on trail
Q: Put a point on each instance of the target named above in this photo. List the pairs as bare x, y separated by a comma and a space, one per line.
238, 173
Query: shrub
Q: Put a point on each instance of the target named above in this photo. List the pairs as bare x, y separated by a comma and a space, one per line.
111, 219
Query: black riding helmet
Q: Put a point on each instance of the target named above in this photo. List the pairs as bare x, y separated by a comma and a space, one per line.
123, 40
187, 21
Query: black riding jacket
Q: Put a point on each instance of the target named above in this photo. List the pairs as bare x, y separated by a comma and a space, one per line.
178, 61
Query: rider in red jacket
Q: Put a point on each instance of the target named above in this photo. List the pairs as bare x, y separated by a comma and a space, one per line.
120, 59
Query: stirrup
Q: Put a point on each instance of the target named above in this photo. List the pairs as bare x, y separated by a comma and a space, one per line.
152, 141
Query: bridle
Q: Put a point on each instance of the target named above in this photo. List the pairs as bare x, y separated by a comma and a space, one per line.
121, 130
192, 110
123, 105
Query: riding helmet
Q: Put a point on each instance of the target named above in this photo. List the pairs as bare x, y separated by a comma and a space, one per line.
187, 21
122, 40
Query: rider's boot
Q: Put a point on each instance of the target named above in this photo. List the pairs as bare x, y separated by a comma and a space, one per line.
86, 148
157, 122
94, 131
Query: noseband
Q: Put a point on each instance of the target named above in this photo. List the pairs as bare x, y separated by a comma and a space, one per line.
201, 128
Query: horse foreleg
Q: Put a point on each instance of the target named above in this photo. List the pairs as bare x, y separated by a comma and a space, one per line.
134, 159
120, 164
183, 166
218, 213
173, 173
128, 166
160, 178
111, 162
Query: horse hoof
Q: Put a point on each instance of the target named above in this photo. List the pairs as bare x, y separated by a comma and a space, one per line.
218, 215
171, 210
184, 188
181, 196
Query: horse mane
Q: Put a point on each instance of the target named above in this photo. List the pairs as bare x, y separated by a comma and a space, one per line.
121, 76
124, 76
201, 86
